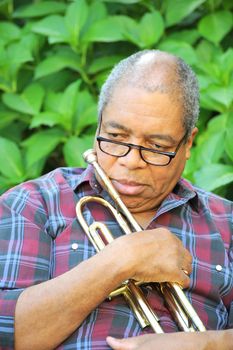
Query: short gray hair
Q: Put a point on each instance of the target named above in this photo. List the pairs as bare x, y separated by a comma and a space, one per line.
138, 69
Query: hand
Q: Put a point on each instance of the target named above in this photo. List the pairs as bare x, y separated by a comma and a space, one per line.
171, 341
140, 342
154, 256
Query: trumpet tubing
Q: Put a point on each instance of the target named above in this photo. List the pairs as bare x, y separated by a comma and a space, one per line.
99, 235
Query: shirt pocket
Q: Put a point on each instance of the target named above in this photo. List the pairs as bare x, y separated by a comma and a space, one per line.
70, 248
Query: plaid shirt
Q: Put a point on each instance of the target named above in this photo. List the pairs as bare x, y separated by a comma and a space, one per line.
38, 229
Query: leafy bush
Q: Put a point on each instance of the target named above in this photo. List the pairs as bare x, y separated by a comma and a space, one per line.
54, 56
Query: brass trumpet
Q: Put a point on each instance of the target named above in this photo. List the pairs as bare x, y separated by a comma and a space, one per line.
99, 235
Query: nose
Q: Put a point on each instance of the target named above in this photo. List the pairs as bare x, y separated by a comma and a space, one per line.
132, 160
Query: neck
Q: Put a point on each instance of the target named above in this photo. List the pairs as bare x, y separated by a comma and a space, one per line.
144, 218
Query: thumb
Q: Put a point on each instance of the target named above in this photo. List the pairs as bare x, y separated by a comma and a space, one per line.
119, 344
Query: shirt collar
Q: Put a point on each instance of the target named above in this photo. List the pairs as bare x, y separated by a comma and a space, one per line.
88, 176
184, 192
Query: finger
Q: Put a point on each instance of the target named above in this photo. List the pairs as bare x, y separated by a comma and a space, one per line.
187, 264
185, 280
181, 278
119, 344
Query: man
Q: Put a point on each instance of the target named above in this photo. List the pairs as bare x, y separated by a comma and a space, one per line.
54, 285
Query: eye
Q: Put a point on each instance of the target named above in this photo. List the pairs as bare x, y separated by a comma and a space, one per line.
113, 134
157, 146
154, 146
117, 136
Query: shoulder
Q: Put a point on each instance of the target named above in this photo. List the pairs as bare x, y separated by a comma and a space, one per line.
213, 213
213, 202
206, 199
37, 192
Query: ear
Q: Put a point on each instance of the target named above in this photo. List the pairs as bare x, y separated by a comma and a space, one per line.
189, 142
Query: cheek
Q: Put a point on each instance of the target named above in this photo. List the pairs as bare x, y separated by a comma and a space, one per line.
168, 176
106, 162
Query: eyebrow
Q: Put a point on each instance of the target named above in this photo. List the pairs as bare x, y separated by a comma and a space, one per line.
116, 126
151, 136
162, 137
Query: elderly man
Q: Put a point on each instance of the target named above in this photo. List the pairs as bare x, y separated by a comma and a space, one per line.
54, 286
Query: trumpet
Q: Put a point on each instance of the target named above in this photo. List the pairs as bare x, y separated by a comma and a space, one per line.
99, 235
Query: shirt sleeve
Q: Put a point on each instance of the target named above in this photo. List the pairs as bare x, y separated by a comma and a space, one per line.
25, 254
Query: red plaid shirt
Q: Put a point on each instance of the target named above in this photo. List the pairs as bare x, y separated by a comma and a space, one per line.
38, 227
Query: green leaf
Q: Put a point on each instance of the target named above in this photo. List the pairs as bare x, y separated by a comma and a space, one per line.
88, 118
204, 81
175, 12
180, 49
9, 31
217, 97
17, 54
130, 30
36, 170
6, 183
57, 81
124, 1
207, 52
68, 102
75, 19
213, 176
229, 134
6, 7
14, 131
103, 63
32, 43
212, 148
211, 69
225, 62
151, 28
11, 159
217, 124
28, 102
40, 9
86, 111
97, 11
210, 143
52, 101
53, 27
40, 145
6, 117
58, 62
216, 25
106, 30
101, 77
46, 118
74, 148
188, 36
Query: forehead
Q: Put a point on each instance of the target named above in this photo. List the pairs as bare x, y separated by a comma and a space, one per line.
144, 111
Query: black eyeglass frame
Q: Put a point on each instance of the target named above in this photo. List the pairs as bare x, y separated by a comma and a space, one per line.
171, 155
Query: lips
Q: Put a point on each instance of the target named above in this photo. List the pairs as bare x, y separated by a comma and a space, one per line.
128, 187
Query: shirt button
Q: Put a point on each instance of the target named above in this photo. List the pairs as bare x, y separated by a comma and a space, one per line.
218, 268
74, 246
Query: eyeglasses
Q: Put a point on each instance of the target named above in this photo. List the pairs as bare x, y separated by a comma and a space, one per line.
121, 149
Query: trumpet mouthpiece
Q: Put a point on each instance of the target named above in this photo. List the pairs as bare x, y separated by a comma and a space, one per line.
90, 156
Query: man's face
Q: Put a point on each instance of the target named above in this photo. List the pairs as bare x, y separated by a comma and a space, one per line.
152, 120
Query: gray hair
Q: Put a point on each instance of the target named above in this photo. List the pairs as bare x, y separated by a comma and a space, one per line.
139, 70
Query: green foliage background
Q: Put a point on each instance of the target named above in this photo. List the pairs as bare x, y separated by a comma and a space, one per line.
54, 56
